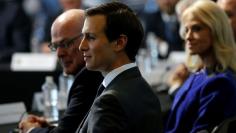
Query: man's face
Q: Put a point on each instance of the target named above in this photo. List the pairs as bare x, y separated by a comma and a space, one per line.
97, 50
167, 6
229, 6
67, 42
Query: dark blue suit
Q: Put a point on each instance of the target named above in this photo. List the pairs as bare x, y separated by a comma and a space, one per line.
203, 102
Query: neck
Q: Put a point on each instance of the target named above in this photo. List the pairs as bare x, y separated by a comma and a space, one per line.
121, 60
209, 61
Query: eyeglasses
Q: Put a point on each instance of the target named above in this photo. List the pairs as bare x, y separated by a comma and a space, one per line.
63, 44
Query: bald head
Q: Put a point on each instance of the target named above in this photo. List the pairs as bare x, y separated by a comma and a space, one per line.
68, 24
65, 32
229, 6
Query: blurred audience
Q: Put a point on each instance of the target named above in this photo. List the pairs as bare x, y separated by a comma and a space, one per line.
182, 5
48, 11
165, 25
229, 6
150, 6
208, 95
65, 5
15, 27
41, 12
136, 5
70, 4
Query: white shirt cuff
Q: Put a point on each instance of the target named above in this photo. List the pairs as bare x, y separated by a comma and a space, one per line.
30, 129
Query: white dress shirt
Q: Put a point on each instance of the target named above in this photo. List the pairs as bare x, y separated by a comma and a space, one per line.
111, 75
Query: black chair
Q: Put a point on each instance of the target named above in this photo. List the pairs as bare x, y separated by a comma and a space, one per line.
227, 126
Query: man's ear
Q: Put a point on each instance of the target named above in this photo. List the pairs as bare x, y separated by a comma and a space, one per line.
120, 43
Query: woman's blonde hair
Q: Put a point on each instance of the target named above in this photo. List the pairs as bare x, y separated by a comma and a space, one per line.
216, 20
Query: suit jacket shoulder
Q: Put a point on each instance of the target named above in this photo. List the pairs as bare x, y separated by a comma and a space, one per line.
127, 105
81, 97
202, 103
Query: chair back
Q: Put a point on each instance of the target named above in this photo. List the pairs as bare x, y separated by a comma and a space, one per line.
227, 126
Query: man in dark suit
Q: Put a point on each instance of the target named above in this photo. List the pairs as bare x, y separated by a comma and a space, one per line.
15, 27
165, 25
66, 37
112, 35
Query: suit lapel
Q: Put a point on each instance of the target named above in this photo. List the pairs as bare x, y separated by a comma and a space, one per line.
75, 83
83, 125
100, 90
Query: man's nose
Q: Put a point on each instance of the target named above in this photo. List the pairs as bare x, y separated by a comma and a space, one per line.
83, 45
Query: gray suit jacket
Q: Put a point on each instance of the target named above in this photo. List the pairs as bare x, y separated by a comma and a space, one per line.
127, 105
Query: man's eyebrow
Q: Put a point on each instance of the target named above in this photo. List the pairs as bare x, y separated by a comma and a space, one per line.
61, 41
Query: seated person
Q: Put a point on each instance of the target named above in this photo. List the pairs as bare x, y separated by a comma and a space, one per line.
66, 38
15, 27
208, 96
112, 36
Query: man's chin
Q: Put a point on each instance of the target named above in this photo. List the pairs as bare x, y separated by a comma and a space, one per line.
67, 71
89, 67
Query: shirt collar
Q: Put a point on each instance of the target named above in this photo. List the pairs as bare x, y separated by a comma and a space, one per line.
111, 75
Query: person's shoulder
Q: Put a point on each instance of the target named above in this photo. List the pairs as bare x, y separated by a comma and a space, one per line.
226, 76
86, 76
85, 71
221, 81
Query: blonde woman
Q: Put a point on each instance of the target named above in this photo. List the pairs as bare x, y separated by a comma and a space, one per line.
208, 96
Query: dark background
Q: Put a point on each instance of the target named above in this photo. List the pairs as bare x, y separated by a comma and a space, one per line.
21, 86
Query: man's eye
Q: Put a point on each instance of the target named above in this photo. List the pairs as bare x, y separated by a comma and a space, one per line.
89, 37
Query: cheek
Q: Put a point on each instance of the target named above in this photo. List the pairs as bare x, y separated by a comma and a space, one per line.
233, 22
104, 55
79, 59
206, 43
209, 40
99, 48
101, 54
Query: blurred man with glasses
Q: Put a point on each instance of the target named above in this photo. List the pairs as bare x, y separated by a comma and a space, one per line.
63, 44
66, 37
